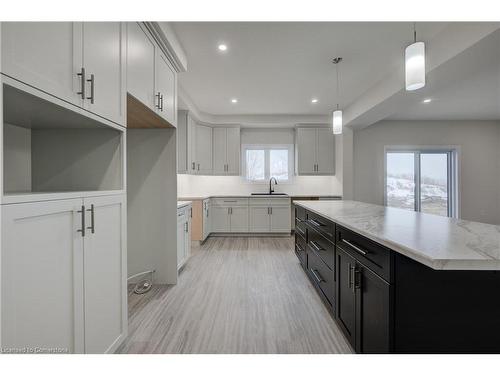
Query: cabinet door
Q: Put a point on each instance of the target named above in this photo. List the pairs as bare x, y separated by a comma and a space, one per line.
373, 312
105, 273
325, 163
206, 218
181, 238
220, 151
345, 309
306, 151
42, 276
280, 219
191, 145
239, 219
220, 219
166, 86
187, 237
140, 65
233, 150
203, 149
182, 132
259, 219
104, 58
44, 55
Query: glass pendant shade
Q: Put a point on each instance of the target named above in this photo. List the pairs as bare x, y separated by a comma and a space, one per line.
337, 122
415, 66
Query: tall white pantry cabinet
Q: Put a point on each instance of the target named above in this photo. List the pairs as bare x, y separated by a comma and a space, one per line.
63, 242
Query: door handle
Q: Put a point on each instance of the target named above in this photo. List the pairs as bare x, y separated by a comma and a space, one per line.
317, 276
92, 81
92, 223
82, 83
161, 102
198, 166
193, 165
82, 212
352, 270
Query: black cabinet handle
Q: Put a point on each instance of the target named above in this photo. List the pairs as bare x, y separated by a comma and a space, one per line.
359, 250
161, 102
300, 231
299, 247
316, 246
350, 278
82, 83
317, 276
82, 212
92, 223
92, 82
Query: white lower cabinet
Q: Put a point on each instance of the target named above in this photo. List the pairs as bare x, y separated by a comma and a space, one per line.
63, 275
270, 215
229, 215
220, 219
259, 219
183, 235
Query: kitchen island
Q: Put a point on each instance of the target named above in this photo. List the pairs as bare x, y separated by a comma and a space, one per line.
399, 281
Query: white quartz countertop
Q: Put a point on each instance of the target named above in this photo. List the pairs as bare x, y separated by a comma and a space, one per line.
183, 203
439, 242
201, 197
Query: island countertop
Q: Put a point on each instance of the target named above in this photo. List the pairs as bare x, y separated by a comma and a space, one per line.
441, 243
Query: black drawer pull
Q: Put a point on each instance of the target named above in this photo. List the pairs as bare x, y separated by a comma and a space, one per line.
361, 251
299, 220
317, 276
316, 223
299, 247
316, 246
300, 231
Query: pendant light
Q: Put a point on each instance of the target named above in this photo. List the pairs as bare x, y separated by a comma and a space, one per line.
415, 64
337, 114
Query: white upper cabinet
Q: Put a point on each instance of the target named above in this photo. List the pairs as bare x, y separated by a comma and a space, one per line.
191, 144
182, 139
151, 79
80, 63
325, 152
226, 147
203, 149
104, 62
140, 64
44, 55
219, 147
315, 151
166, 87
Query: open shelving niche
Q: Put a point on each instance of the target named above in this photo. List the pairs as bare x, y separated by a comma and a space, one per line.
53, 152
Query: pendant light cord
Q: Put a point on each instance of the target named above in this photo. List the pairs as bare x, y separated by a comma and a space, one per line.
338, 85
414, 32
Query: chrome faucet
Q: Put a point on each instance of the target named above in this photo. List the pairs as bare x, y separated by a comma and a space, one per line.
271, 189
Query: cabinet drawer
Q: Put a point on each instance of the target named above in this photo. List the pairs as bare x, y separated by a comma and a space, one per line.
322, 225
301, 229
300, 249
322, 247
229, 202
374, 256
321, 275
300, 213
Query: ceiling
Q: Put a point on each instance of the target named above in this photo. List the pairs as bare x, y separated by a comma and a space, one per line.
465, 88
277, 67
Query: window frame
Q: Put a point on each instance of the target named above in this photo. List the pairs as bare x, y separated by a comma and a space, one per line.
453, 172
267, 148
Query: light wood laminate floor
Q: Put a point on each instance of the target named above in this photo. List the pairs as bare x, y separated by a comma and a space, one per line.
235, 295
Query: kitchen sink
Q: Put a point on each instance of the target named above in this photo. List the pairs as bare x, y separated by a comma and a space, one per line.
269, 194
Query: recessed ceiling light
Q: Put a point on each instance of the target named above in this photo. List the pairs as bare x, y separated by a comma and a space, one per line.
428, 100
234, 100
314, 100
222, 47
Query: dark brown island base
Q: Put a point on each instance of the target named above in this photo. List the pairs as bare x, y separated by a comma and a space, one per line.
385, 302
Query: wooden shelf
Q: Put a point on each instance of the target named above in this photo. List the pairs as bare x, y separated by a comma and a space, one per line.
140, 116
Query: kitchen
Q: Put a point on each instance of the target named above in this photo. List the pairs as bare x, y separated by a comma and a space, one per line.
250, 187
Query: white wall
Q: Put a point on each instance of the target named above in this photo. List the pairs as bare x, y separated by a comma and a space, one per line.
479, 143
193, 186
